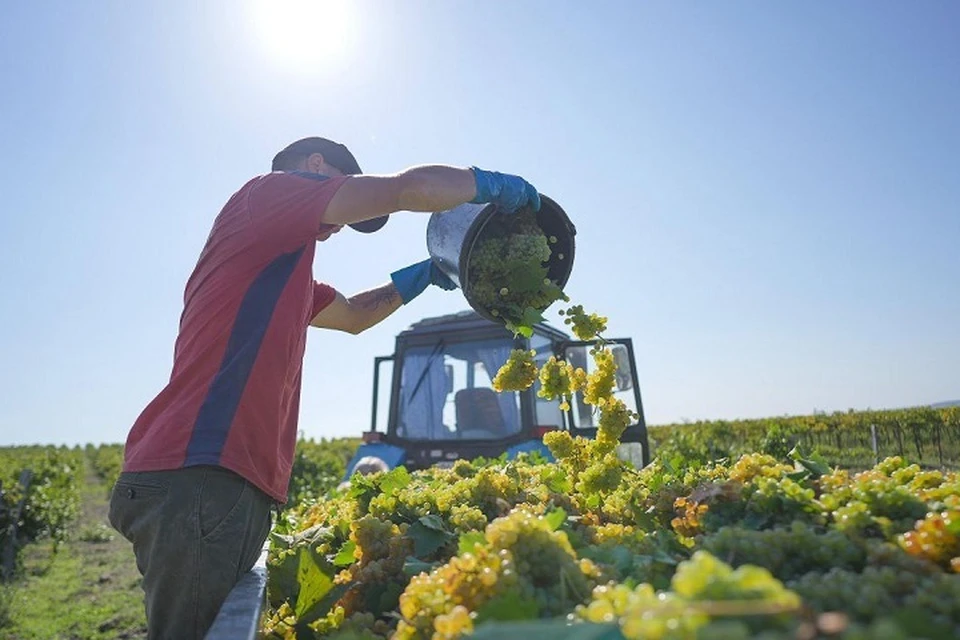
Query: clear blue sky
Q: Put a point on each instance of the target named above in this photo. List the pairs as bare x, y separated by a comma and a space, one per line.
767, 194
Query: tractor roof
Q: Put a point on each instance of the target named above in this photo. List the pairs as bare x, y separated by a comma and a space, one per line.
469, 320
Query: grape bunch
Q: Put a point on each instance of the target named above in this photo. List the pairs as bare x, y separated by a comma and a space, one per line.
703, 588
518, 372
936, 538
507, 271
615, 417
600, 383
560, 379
520, 560
789, 552
585, 326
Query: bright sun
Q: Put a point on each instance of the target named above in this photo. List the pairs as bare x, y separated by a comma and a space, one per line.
304, 32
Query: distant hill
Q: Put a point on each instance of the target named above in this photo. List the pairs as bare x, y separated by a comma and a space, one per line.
949, 403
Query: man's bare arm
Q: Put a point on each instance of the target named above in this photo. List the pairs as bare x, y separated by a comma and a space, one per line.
360, 311
423, 188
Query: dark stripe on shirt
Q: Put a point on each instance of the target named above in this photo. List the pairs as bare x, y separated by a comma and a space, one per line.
253, 317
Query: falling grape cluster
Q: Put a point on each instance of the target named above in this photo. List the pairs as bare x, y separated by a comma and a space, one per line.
585, 326
518, 372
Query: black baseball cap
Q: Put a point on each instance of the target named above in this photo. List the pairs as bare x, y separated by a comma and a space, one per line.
336, 155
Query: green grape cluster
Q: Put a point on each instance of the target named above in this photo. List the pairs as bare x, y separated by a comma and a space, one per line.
585, 326
550, 573
615, 417
518, 372
939, 597
507, 272
602, 476
520, 560
601, 383
381, 551
788, 552
372, 537
560, 379
702, 588
467, 581
865, 595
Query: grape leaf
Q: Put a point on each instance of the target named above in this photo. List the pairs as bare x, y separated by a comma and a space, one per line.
315, 582
470, 540
508, 606
345, 556
321, 608
394, 480
531, 317
524, 279
556, 518
414, 566
815, 464
382, 597
433, 521
427, 536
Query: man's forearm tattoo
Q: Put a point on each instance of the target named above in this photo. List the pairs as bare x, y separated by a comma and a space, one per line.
375, 298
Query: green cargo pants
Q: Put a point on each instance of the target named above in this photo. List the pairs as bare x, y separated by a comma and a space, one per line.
195, 532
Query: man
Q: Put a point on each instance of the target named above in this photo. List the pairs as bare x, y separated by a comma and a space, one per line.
211, 455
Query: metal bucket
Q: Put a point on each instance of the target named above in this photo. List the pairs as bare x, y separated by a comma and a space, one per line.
452, 235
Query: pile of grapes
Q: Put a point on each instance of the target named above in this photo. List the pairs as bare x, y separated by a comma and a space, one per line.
590, 547
507, 272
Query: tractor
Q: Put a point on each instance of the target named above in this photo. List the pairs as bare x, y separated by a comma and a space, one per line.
442, 407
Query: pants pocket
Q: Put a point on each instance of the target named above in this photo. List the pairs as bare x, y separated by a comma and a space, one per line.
222, 499
132, 503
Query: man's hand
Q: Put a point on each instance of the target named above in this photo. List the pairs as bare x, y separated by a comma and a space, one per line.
413, 280
508, 192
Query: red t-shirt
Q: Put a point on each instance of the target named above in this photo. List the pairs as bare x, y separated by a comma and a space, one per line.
234, 394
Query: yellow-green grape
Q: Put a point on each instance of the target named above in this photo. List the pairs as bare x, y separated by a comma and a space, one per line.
543, 559
449, 626
585, 326
602, 476
615, 417
518, 372
560, 444
556, 378
642, 613
371, 536
601, 382
467, 518
452, 590
935, 539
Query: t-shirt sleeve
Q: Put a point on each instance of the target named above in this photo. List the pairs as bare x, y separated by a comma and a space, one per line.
286, 209
323, 295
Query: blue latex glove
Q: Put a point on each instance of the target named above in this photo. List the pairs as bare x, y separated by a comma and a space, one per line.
506, 191
413, 280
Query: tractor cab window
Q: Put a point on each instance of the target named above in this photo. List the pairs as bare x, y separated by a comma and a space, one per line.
446, 393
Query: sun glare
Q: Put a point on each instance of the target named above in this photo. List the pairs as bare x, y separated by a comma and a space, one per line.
304, 32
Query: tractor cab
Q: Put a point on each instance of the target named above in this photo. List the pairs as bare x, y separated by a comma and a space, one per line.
442, 407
